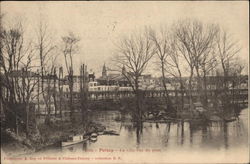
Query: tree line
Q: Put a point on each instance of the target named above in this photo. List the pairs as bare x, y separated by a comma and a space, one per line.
30, 72
188, 47
31, 77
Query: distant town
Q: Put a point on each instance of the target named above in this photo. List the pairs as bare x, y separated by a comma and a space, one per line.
110, 81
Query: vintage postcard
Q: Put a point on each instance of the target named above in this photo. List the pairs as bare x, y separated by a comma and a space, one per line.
124, 82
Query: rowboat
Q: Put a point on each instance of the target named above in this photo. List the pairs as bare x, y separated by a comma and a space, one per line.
230, 119
74, 140
100, 133
111, 132
93, 137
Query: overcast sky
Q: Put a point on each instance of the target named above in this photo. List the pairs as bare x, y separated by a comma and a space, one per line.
100, 24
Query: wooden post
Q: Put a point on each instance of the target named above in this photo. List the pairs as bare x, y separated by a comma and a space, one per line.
38, 93
54, 92
60, 76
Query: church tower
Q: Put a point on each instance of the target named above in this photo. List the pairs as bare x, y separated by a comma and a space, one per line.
104, 71
124, 72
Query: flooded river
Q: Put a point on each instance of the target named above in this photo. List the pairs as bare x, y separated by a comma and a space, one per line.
169, 142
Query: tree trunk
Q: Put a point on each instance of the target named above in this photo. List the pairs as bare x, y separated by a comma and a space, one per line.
83, 96
47, 99
167, 99
60, 90
16, 124
199, 93
71, 98
182, 93
190, 88
38, 96
138, 99
205, 89
27, 119
54, 94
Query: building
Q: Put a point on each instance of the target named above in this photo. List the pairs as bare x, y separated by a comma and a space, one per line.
113, 80
146, 81
77, 80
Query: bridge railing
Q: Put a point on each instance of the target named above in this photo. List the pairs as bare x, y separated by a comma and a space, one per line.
98, 95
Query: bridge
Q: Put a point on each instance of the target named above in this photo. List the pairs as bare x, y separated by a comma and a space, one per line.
238, 95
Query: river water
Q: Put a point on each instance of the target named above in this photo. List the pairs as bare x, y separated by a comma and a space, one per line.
165, 142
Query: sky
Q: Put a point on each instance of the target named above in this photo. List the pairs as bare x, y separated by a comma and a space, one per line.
101, 24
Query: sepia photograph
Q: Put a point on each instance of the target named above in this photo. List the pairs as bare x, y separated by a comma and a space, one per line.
124, 82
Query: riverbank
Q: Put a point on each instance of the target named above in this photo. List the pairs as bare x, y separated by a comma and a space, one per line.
173, 137
49, 135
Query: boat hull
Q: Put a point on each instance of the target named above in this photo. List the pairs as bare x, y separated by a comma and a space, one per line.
93, 139
68, 143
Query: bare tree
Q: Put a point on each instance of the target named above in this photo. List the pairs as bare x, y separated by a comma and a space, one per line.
70, 47
19, 81
11, 56
162, 46
227, 51
84, 94
28, 84
195, 40
133, 54
207, 64
174, 67
45, 48
49, 92
55, 90
60, 89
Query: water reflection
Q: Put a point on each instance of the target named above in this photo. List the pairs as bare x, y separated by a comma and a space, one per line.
181, 135
194, 134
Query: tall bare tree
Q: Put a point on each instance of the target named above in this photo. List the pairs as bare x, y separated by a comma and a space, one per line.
70, 47
227, 51
60, 89
28, 83
162, 46
45, 48
133, 55
84, 94
19, 82
174, 67
11, 56
49, 93
207, 64
195, 40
